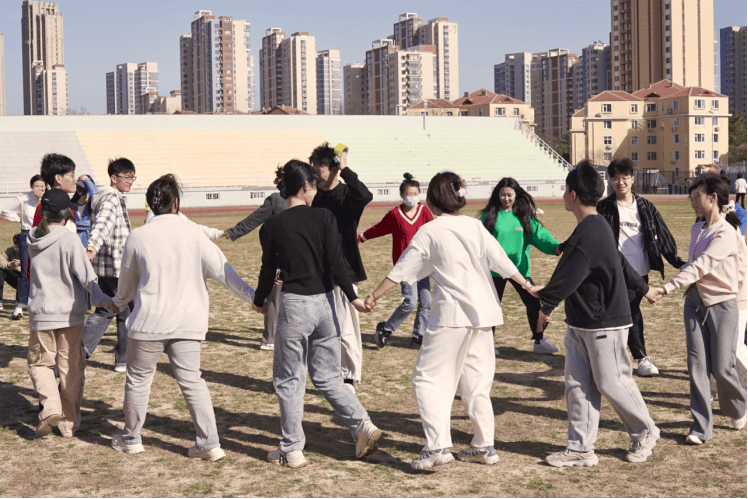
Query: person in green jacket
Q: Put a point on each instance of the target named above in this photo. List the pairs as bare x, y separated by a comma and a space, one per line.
510, 216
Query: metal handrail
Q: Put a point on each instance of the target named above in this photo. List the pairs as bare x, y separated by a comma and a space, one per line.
543, 145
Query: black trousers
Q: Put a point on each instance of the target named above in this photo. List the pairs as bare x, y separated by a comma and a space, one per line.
532, 304
740, 199
636, 332
10, 277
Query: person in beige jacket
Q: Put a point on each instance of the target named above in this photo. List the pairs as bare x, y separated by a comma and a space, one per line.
710, 312
10, 267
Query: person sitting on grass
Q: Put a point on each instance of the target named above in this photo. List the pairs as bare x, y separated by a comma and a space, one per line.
403, 221
164, 267
10, 267
591, 278
57, 307
458, 254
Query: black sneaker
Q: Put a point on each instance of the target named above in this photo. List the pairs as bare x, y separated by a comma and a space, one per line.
415, 341
382, 336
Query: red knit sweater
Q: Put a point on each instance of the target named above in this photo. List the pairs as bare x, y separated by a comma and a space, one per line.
402, 228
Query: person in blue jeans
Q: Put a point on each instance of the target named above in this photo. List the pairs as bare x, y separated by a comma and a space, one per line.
303, 242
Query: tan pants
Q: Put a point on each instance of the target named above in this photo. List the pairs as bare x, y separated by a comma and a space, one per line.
63, 347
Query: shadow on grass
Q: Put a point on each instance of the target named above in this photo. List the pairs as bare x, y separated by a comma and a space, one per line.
10, 352
250, 340
17, 413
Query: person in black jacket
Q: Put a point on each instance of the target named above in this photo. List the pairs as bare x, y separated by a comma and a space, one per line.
592, 277
273, 205
346, 201
643, 238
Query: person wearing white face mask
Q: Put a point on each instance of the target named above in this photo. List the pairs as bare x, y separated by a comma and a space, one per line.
403, 221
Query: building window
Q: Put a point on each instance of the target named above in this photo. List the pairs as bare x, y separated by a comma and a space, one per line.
634, 157
676, 104
607, 156
634, 140
676, 138
607, 124
651, 123
634, 124
607, 108
651, 108
463, 113
699, 104
715, 137
607, 140
516, 111
699, 137
651, 139
652, 156
449, 113
500, 111
480, 112
676, 122
699, 154
634, 108
676, 155
715, 121
715, 155
715, 104
698, 120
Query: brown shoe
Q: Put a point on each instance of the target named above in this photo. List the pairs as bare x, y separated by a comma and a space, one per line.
45, 425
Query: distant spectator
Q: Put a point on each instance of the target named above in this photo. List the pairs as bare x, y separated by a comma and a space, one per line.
740, 189
10, 267
110, 226
22, 209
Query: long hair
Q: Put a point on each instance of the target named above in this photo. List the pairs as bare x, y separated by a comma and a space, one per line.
715, 185
523, 208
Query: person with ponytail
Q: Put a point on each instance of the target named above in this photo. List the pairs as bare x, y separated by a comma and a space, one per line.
710, 312
303, 242
403, 221
458, 254
164, 267
511, 217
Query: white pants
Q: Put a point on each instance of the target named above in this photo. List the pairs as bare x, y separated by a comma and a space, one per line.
452, 358
351, 350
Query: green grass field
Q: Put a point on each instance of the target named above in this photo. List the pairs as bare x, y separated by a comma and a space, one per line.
528, 400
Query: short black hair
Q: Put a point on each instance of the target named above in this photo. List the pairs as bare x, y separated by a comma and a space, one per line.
443, 192
324, 155
17, 239
36, 178
120, 165
622, 166
586, 182
162, 193
53, 165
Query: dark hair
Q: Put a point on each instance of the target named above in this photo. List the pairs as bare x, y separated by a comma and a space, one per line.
324, 155
442, 192
624, 166
120, 165
36, 178
53, 165
53, 216
523, 208
409, 182
586, 182
162, 193
715, 185
740, 175
17, 239
292, 176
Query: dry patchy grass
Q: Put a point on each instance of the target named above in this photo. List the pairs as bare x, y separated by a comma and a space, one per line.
528, 399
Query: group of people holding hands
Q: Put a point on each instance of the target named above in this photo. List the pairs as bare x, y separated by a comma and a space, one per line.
153, 279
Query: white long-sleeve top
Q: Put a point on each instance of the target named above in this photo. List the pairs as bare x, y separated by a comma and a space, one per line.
164, 266
458, 254
210, 232
22, 209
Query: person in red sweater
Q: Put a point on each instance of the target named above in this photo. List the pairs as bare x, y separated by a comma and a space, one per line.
403, 221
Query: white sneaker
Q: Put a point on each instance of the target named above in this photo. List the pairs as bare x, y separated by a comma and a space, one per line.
267, 346
693, 440
367, 439
214, 454
739, 424
120, 445
17, 313
121, 368
545, 347
293, 459
647, 368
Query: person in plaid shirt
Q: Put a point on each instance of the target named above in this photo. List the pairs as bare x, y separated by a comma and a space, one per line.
110, 227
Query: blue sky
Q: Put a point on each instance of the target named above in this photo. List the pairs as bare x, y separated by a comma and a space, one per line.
101, 34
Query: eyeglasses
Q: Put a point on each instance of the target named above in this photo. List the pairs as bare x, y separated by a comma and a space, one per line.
127, 179
621, 180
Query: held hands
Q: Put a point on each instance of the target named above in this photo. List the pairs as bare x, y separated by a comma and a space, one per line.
361, 305
91, 253
654, 295
114, 308
14, 263
542, 321
557, 250
534, 290
370, 301
261, 310
225, 235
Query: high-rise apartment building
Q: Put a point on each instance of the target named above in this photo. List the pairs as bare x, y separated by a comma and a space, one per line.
652, 40
512, 77
412, 77
732, 62
44, 76
2, 75
716, 62
378, 76
354, 88
405, 30
218, 75
551, 97
595, 62
329, 91
126, 85
285, 77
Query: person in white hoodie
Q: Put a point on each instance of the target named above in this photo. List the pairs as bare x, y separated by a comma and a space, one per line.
164, 266
57, 307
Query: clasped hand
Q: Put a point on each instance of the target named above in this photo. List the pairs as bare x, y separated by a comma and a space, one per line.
654, 294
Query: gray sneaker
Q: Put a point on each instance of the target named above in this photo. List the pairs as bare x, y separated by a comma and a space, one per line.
482, 455
430, 458
569, 457
641, 450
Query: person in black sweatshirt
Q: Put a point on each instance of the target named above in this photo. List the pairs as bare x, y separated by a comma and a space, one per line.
592, 277
303, 243
346, 201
